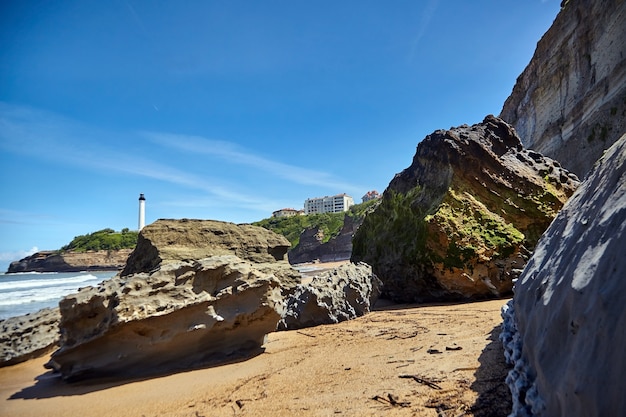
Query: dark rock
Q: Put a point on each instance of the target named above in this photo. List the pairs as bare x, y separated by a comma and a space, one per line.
460, 221
564, 330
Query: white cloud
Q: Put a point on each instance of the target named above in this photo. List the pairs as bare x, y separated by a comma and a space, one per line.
43, 134
425, 19
237, 155
10, 256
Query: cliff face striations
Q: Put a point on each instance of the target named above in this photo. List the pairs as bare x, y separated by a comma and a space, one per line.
570, 101
459, 222
71, 261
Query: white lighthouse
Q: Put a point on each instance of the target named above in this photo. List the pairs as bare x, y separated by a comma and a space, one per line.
142, 211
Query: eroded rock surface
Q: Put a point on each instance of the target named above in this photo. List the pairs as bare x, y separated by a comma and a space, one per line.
565, 332
460, 221
181, 315
344, 293
570, 101
28, 336
167, 241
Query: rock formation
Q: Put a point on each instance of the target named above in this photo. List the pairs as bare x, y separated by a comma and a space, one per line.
55, 261
564, 330
333, 296
180, 315
29, 336
312, 248
174, 240
570, 101
459, 222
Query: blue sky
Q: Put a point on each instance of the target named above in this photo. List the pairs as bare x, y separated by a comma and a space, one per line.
229, 110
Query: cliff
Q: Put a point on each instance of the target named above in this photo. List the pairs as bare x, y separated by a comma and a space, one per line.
323, 237
570, 101
460, 221
312, 247
564, 330
55, 261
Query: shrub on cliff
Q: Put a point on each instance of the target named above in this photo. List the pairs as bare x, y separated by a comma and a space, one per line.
105, 239
292, 227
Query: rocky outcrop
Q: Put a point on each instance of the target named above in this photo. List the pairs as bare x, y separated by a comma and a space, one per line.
570, 101
55, 261
29, 336
564, 330
312, 247
167, 241
461, 220
181, 315
344, 293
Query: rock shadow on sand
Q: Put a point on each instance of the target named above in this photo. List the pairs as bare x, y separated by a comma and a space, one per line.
494, 397
50, 384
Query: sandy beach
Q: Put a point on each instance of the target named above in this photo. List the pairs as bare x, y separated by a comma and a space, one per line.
399, 360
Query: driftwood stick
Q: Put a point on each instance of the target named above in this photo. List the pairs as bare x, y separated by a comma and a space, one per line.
392, 400
421, 380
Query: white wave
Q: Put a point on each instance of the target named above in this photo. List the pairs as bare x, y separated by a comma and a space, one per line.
42, 283
33, 295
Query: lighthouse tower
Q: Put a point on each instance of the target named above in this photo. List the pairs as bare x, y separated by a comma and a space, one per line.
142, 211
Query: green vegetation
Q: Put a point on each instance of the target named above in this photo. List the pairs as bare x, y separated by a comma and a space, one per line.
423, 227
361, 210
105, 239
469, 226
291, 227
395, 230
329, 223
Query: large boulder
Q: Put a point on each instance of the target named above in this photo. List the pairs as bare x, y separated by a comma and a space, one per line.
565, 328
460, 221
180, 315
344, 293
28, 336
570, 101
167, 241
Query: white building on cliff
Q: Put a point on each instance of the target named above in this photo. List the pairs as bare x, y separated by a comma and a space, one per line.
287, 212
334, 204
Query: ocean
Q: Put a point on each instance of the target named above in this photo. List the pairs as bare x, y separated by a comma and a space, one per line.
24, 293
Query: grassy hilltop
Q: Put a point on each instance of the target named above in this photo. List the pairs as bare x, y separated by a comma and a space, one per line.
105, 239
